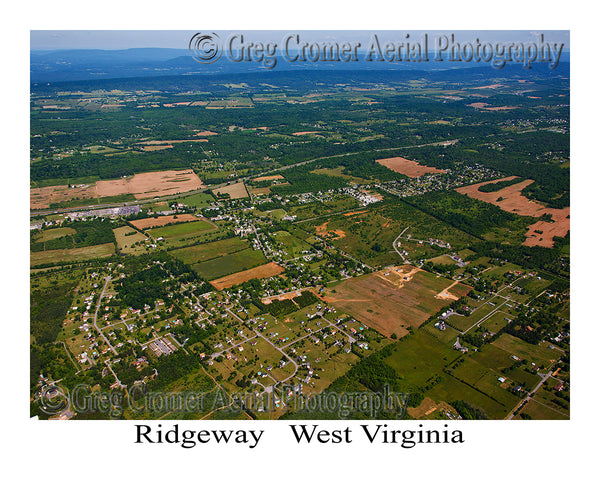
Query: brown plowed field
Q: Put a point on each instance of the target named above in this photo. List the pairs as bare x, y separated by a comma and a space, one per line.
390, 300
269, 177
263, 271
42, 197
162, 220
410, 168
514, 202
206, 133
485, 106
151, 184
235, 190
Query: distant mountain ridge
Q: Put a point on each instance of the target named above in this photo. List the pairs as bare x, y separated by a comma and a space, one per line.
75, 65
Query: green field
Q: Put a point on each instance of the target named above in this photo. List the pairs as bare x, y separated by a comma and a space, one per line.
228, 264
448, 335
184, 229
497, 321
493, 357
369, 236
442, 260
451, 389
71, 254
208, 251
198, 200
539, 354
420, 358
291, 244
316, 209
276, 214
462, 323
485, 380
53, 182
84, 202
539, 411
445, 374
499, 271
127, 238
533, 285
46, 235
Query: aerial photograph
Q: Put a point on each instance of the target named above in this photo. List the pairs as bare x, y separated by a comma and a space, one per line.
299, 225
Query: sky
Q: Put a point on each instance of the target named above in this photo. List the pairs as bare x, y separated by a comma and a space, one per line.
124, 39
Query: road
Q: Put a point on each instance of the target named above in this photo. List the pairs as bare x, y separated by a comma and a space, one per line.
98, 329
395, 244
476, 324
329, 324
258, 334
114, 374
528, 397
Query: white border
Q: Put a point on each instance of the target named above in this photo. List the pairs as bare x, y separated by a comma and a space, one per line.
494, 449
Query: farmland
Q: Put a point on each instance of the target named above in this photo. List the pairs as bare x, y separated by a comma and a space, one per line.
152, 184
199, 200
228, 264
510, 199
130, 241
183, 229
235, 190
390, 300
288, 235
207, 251
147, 223
263, 271
140, 186
71, 254
410, 168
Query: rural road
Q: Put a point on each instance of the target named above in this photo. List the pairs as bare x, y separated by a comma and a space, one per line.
528, 397
273, 345
96, 316
395, 244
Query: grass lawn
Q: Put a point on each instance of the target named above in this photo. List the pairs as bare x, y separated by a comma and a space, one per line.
497, 321
491, 356
276, 214
460, 322
446, 336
